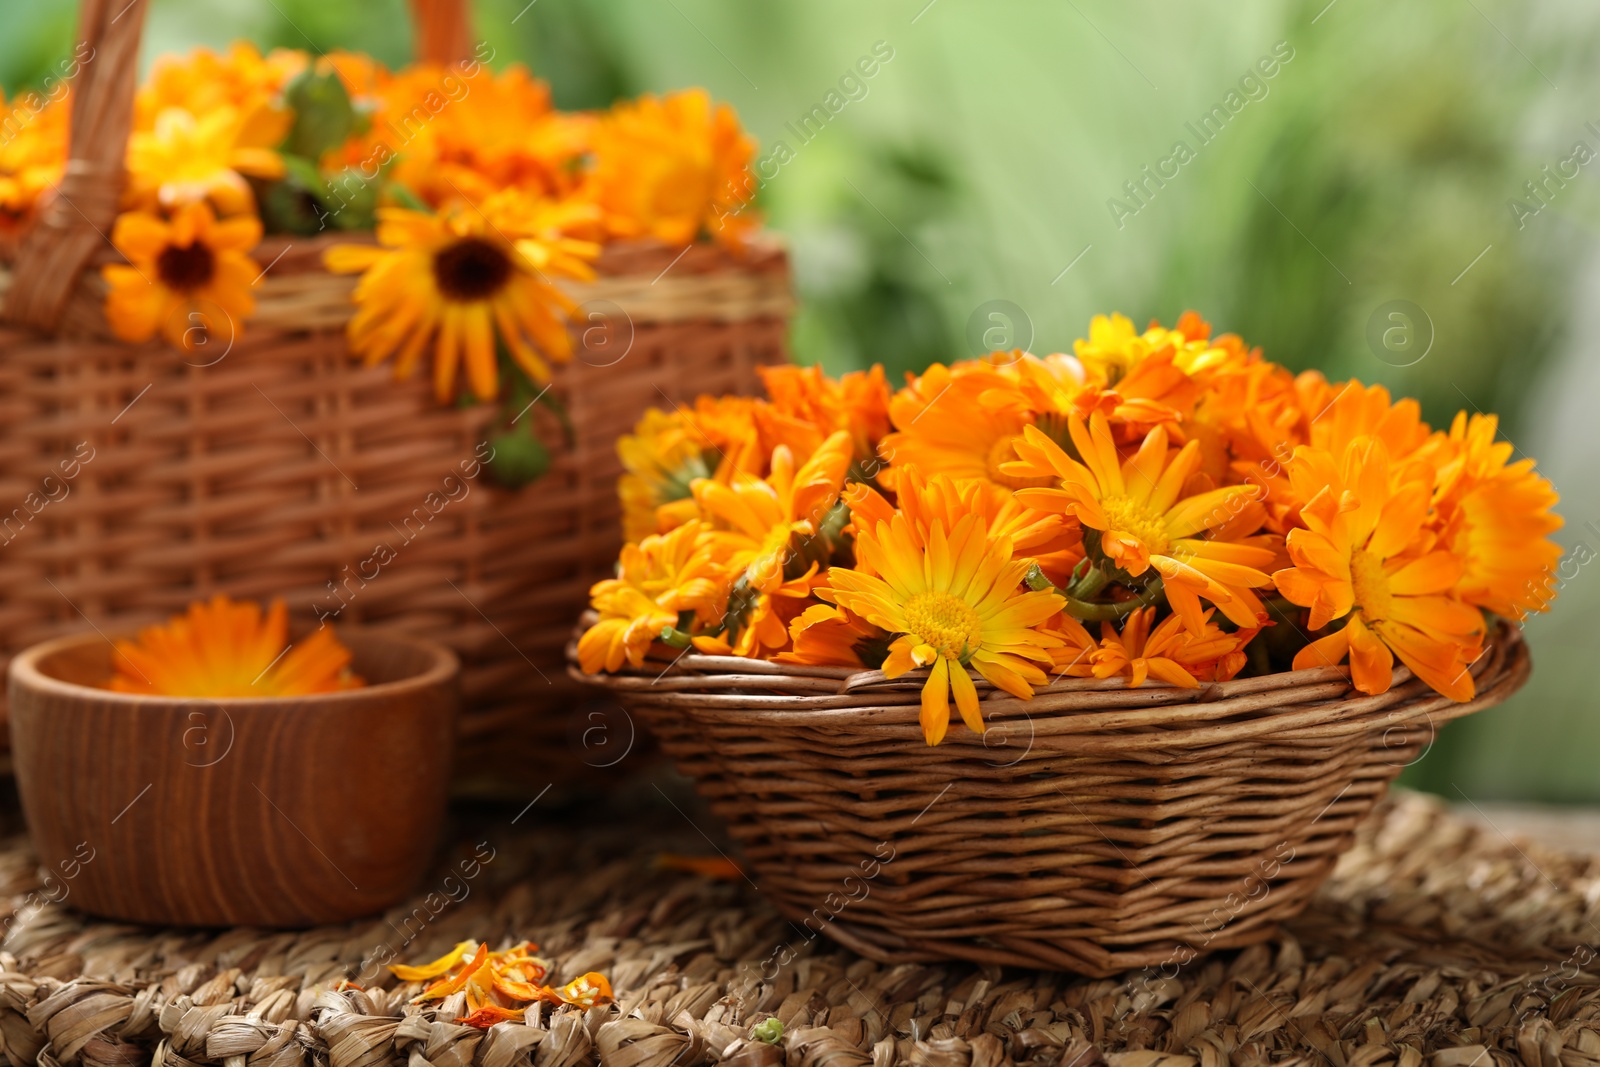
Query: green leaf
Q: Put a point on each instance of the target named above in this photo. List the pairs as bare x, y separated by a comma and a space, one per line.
519, 458
324, 117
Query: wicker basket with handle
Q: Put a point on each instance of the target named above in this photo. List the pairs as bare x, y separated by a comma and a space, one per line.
134, 479
1093, 829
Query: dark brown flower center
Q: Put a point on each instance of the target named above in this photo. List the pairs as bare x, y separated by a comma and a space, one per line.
471, 269
185, 267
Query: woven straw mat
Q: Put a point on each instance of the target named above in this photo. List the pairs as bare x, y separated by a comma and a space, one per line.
1435, 943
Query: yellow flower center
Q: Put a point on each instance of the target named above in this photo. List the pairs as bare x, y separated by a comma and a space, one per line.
185, 268
1002, 451
1371, 585
1137, 520
946, 622
471, 269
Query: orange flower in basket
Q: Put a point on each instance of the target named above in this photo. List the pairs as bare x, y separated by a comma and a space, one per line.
1366, 554
1145, 522
767, 527
181, 276
223, 648
497, 131
1046, 537
668, 451
460, 279
827, 635
944, 426
1497, 518
657, 580
204, 81
955, 604
1169, 652
671, 167
33, 153
807, 405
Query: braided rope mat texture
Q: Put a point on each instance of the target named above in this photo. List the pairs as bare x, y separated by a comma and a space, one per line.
132, 481
1435, 942
1093, 828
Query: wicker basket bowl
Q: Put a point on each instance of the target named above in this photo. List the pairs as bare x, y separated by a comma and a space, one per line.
1093, 829
282, 811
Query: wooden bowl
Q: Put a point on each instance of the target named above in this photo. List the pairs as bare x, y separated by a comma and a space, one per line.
282, 811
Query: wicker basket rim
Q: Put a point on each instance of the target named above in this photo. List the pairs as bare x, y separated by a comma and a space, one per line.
790, 695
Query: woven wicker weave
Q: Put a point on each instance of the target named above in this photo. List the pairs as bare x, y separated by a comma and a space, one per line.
279, 467
1094, 828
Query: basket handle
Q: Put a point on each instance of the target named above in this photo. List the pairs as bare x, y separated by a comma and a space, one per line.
77, 220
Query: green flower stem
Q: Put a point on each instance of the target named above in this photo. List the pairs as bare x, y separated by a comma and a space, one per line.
1085, 588
674, 637
1085, 610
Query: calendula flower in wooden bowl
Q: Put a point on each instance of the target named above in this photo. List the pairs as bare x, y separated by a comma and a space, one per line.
1188, 606
227, 771
223, 648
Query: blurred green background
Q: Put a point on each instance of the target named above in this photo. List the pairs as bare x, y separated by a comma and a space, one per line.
971, 194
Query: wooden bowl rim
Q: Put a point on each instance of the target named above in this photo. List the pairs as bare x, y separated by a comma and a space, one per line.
443, 667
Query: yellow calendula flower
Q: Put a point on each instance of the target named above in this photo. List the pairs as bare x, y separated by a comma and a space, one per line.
955, 604
223, 648
657, 579
669, 450
1146, 522
181, 275
458, 280
185, 157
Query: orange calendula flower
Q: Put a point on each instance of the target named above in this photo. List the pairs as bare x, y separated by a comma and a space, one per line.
657, 579
187, 278
1169, 652
1497, 517
496, 130
1365, 556
1146, 522
825, 635
33, 152
1037, 535
671, 167
953, 603
204, 81
963, 421
807, 406
224, 648
457, 280
765, 527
